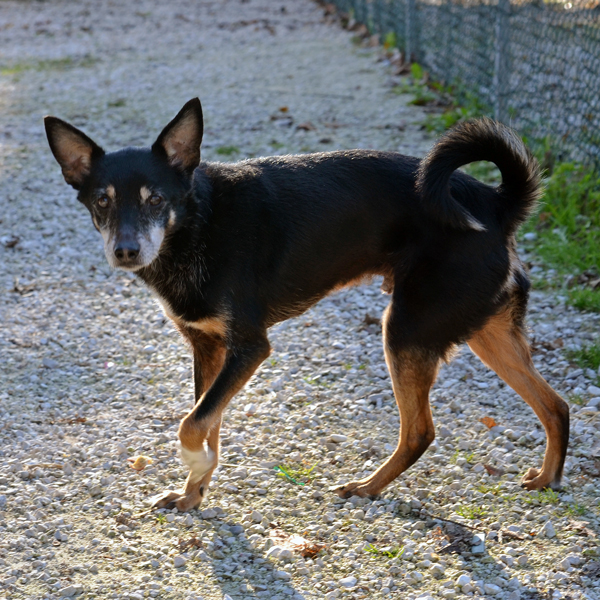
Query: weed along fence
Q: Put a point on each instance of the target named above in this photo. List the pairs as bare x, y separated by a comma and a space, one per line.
535, 65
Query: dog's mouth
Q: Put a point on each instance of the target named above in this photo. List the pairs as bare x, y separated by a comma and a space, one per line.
129, 265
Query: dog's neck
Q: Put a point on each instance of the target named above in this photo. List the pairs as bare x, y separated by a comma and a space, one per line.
180, 269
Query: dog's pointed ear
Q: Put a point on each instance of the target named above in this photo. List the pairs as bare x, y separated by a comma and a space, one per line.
73, 150
180, 140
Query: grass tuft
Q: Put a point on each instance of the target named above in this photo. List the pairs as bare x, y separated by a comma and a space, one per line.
53, 64
227, 150
576, 399
585, 299
587, 357
471, 512
388, 552
568, 228
297, 474
542, 497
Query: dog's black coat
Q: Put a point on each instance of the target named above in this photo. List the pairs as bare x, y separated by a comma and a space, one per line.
249, 244
262, 240
266, 238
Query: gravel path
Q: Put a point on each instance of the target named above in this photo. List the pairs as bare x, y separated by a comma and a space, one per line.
93, 374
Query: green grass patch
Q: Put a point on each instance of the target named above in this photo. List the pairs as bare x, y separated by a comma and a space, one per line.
468, 456
390, 40
471, 512
387, 552
54, 64
568, 228
587, 357
461, 106
484, 171
117, 103
576, 399
227, 150
542, 497
319, 382
576, 510
585, 299
416, 84
297, 474
485, 488
455, 104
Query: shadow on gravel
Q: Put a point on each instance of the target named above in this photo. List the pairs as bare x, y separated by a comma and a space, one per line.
248, 576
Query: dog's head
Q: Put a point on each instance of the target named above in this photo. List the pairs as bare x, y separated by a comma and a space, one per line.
136, 196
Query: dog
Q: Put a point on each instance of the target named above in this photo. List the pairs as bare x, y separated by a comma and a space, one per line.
231, 249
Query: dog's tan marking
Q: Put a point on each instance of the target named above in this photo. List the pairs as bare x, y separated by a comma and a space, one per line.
195, 490
111, 192
502, 346
172, 218
212, 326
413, 373
145, 193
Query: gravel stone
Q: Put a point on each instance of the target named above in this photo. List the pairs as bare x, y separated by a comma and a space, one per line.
492, 589
348, 582
547, 530
179, 561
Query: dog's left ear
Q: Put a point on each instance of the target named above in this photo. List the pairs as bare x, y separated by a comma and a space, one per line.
180, 140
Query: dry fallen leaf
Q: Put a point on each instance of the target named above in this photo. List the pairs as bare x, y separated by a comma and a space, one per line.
488, 422
139, 463
296, 543
494, 471
193, 542
308, 126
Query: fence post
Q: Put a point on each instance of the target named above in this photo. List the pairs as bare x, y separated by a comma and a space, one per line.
501, 79
412, 49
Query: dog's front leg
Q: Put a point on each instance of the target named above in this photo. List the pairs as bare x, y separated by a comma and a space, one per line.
199, 429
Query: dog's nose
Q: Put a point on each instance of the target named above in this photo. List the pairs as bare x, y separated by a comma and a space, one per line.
127, 250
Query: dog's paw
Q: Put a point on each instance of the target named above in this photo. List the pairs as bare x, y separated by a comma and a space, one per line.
182, 501
538, 480
354, 488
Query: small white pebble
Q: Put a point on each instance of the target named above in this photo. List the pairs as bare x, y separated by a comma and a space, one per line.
179, 561
348, 582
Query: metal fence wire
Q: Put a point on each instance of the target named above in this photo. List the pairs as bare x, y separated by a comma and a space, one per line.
535, 64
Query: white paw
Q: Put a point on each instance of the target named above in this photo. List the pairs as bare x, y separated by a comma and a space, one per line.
200, 462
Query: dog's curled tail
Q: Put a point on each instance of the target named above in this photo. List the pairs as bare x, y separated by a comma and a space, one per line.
481, 139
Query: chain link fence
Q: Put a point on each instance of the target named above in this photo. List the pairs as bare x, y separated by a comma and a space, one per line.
535, 64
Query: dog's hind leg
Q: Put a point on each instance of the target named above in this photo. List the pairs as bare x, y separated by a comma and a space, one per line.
413, 372
502, 346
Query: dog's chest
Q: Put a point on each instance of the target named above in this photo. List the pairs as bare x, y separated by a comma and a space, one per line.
213, 325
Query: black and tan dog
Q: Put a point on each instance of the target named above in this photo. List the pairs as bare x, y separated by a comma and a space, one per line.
231, 249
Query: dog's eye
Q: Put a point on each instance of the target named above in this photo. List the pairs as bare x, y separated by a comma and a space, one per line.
102, 202
155, 200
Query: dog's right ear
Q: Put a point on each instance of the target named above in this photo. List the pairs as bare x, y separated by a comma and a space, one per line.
180, 140
73, 150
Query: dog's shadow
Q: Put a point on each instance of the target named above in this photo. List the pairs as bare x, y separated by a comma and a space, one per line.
234, 564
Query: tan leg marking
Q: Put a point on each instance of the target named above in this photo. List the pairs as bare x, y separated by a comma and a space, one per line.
199, 446
502, 346
195, 490
413, 373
